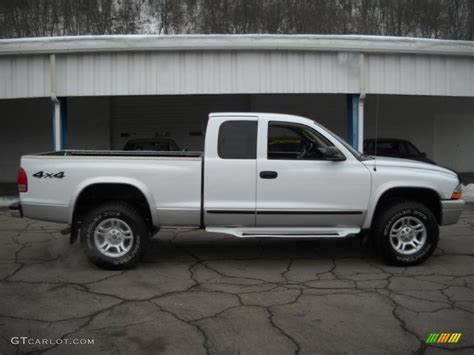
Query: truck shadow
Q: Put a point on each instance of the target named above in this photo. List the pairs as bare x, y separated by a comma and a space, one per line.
199, 245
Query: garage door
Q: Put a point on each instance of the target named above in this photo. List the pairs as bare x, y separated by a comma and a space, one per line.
182, 118
454, 143
25, 127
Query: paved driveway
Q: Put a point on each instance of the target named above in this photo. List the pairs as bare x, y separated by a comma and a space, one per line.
198, 293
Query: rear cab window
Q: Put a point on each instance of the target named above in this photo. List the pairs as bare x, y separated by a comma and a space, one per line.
237, 140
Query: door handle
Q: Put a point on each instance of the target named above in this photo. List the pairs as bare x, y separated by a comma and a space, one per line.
268, 174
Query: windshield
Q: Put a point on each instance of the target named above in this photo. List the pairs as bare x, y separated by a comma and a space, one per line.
350, 148
412, 150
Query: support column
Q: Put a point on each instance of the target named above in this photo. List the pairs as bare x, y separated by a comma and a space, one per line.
56, 124
57, 130
355, 120
352, 106
59, 122
360, 141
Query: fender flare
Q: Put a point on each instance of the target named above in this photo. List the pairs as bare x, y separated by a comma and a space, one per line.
115, 180
391, 185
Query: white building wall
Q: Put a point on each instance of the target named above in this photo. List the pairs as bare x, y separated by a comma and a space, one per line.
24, 76
192, 72
236, 72
420, 75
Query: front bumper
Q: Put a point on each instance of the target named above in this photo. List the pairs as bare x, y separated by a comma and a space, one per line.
451, 211
16, 210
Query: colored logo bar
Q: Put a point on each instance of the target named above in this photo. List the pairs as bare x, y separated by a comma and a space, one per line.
443, 338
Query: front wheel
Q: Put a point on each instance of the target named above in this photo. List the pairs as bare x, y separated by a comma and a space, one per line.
406, 234
115, 234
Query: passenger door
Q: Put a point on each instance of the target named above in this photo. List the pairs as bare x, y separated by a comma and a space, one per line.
298, 186
230, 169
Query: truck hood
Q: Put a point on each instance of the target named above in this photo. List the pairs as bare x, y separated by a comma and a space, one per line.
407, 163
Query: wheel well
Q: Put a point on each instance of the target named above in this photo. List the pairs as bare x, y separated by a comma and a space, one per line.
95, 194
427, 197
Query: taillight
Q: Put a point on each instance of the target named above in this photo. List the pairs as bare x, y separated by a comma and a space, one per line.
22, 181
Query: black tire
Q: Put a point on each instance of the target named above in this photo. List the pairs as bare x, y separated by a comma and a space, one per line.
386, 220
125, 215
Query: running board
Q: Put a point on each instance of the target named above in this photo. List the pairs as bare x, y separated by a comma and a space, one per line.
297, 232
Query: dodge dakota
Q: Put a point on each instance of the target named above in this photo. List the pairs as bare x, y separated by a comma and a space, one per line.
260, 175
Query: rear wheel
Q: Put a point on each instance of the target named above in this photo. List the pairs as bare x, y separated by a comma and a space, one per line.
406, 234
115, 234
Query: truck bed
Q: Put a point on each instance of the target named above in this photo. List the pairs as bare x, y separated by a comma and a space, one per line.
170, 182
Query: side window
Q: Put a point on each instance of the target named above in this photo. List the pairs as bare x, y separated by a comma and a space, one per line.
237, 140
386, 148
291, 141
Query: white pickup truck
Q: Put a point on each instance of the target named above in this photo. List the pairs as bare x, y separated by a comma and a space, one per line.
261, 175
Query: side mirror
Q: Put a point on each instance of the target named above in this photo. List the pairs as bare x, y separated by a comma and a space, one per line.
423, 155
332, 153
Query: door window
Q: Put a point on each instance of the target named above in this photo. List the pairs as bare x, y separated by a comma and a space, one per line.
291, 141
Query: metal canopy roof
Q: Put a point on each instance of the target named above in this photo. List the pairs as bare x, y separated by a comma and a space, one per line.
350, 43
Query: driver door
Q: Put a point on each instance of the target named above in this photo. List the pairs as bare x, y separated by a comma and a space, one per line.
297, 186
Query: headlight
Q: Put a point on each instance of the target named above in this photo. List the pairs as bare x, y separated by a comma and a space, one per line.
457, 193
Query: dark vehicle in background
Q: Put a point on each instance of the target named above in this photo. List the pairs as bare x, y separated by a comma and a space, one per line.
396, 148
152, 144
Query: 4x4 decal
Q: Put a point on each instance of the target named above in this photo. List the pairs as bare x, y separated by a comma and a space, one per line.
43, 175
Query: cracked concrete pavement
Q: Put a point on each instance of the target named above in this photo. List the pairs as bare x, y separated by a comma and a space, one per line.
201, 293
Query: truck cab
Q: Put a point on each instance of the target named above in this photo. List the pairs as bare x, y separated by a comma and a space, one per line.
250, 182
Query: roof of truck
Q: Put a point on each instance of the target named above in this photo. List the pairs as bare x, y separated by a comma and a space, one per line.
251, 114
